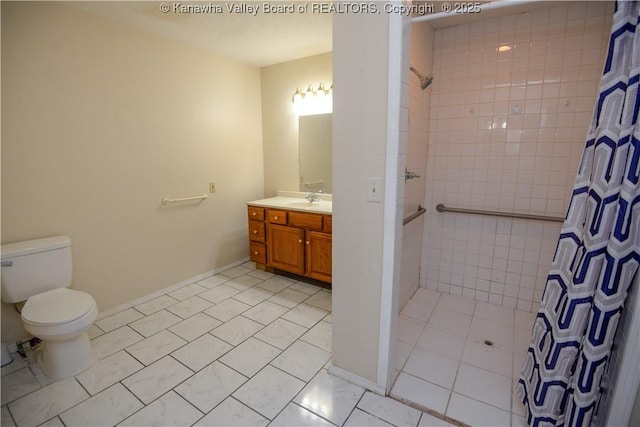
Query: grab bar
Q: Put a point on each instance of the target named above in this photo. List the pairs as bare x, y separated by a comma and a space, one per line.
414, 215
442, 208
167, 200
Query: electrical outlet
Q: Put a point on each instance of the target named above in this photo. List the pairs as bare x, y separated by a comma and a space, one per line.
212, 187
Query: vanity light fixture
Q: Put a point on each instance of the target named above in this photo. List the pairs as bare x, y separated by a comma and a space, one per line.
297, 97
321, 92
309, 98
313, 101
310, 93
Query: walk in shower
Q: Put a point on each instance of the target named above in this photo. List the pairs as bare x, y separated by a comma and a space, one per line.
500, 129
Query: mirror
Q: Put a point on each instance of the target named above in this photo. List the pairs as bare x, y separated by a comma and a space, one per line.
315, 140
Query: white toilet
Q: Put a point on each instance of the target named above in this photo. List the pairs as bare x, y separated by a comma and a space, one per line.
39, 272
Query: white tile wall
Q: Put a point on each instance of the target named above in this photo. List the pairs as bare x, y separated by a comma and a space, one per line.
419, 55
506, 133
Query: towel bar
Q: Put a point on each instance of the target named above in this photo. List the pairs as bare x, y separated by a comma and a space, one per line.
167, 200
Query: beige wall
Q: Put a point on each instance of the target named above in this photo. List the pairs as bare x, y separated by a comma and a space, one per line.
100, 122
359, 141
279, 121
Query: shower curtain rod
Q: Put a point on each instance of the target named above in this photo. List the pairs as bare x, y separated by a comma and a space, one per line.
498, 4
442, 208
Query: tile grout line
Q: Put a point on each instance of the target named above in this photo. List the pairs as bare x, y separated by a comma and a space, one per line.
126, 350
511, 349
268, 364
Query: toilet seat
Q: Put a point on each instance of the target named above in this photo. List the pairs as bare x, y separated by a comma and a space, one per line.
57, 307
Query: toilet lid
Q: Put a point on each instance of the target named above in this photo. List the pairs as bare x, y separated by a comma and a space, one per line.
57, 306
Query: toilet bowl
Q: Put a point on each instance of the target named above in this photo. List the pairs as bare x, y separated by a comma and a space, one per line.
38, 272
61, 318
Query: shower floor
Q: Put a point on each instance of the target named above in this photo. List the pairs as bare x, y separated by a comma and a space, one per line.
461, 357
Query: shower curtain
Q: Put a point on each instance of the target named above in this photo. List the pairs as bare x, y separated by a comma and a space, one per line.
598, 249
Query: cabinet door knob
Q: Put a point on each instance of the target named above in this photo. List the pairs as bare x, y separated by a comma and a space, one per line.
275, 217
299, 240
253, 213
255, 231
255, 253
307, 242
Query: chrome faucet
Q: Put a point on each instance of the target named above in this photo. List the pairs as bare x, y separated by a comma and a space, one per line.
312, 197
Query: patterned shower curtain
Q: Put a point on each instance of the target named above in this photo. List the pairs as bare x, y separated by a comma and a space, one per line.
598, 250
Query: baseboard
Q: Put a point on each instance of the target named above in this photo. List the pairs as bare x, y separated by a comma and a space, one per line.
356, 379
171, 288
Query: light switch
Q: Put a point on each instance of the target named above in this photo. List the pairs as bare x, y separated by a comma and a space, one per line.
374, 189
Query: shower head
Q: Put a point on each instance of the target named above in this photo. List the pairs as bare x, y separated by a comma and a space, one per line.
424, 81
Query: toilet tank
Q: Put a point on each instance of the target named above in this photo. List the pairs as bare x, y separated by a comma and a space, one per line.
35, 266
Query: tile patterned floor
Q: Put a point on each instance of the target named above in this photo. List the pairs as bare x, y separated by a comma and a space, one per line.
447, 366
242, 348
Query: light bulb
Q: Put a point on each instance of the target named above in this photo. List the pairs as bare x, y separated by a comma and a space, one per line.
308, 95
297, 97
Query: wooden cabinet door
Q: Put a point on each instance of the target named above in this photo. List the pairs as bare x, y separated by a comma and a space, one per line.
286, 248
318, 258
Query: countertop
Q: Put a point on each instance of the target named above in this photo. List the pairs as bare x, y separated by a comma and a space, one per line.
295, 201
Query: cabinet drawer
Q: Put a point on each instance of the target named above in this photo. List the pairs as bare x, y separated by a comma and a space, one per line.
305, 220
275, 216
257, 231
256, 213
258, 252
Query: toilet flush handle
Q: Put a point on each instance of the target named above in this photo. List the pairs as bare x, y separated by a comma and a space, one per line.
6, 263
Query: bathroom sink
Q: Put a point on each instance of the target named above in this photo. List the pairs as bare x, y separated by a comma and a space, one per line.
296, 202
321, 205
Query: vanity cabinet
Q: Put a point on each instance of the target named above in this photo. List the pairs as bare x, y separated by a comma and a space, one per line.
292, 241
318, 260
286, 248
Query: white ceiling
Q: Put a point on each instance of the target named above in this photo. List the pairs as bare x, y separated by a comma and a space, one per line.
264, 38
260, 40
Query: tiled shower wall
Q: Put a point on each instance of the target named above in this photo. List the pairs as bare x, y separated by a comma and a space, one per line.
419, 55
511, 103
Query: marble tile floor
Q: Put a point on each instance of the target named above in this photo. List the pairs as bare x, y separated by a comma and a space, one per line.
462, 358
241, 348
